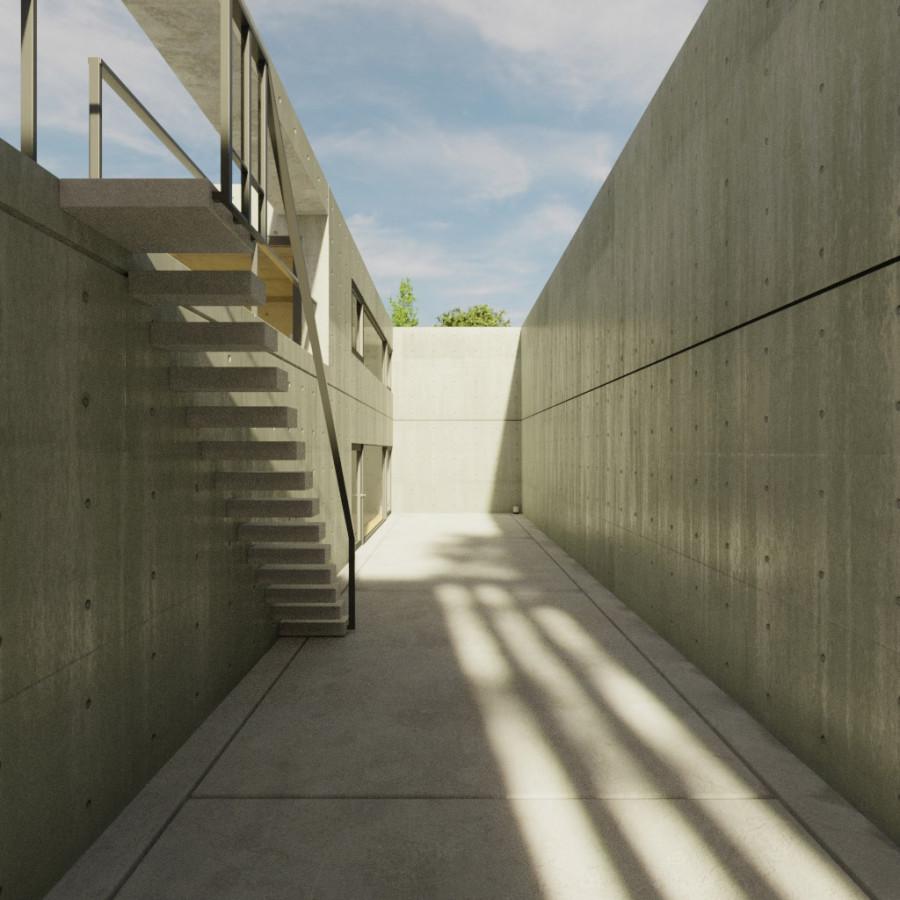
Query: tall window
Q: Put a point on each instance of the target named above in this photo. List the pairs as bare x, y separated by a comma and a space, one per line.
371, 488
366, 339
357, 316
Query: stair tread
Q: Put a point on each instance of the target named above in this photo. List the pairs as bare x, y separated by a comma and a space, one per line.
252, 506
258, 450
280, 594
213, 336
333, 628
281, 554
314, 575
309, 609
197, 288
255, 532
241, 416
264, 481
228, 379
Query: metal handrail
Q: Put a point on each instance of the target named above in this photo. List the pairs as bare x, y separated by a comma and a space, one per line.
100, 72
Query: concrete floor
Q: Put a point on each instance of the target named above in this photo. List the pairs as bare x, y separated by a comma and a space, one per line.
498, 726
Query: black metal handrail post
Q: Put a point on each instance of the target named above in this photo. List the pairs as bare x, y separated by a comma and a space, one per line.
28, 65
304, 295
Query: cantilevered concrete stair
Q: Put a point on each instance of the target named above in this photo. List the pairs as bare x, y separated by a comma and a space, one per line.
182, 216
299, 583
302, 591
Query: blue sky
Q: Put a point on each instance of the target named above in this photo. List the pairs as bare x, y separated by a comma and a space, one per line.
463, 139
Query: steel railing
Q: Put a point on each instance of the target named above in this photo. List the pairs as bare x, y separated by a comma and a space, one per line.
100, 72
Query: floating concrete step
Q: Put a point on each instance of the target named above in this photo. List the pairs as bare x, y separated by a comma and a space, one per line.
297, 613
262, 450
247, 508
187, 288
260, 555
300, 628
297, 576
228, 379
158, 215
264, 481
211, 336
260, 533
294, 600
241, 416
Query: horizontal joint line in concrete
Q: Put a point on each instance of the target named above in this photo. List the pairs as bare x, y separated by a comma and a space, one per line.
62, 239
360, 401
68, 665
493, 798
189, 795
772, 312
461, 419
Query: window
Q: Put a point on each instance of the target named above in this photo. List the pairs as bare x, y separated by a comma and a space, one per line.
357, 316
366, 339
371, 489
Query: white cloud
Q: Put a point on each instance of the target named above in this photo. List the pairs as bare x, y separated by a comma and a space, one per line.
392, 253
505, 270
591, 49
476, 166
582, 51
549, 220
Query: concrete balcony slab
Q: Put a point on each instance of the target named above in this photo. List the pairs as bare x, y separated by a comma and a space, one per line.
158, 215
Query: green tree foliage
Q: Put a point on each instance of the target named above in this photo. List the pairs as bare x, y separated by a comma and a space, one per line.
479, 315
403, 309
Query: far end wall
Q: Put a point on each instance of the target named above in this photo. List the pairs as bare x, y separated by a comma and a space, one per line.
457, 420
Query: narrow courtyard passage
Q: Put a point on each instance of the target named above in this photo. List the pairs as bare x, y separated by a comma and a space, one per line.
498, 726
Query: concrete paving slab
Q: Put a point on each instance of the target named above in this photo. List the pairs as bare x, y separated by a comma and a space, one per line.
342, 722
466, 549
468, 566
540, 849
489, 736
444, 527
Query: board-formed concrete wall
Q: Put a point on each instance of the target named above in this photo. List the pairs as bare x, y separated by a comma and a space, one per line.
710, 378
457, 413
127, 608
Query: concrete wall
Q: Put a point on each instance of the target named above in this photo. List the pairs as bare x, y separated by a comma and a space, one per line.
127, 609
710, 414
457, 419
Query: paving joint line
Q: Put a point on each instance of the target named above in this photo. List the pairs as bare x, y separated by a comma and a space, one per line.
189, 795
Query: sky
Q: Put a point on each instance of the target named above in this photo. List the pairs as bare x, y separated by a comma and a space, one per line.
463, 140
